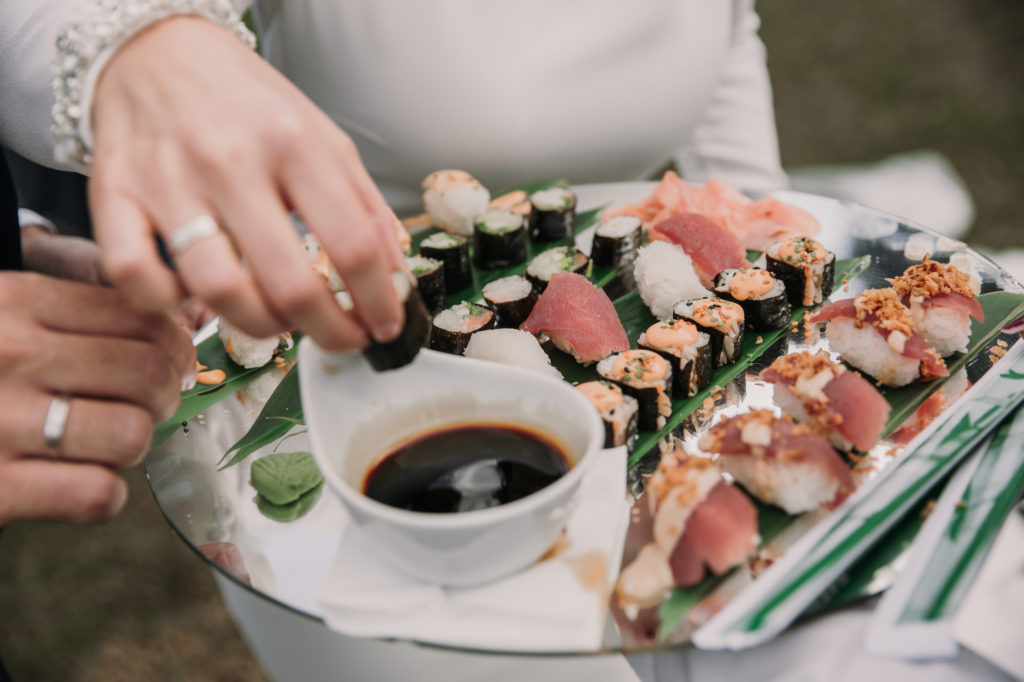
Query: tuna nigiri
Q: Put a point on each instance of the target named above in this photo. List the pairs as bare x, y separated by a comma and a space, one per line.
699, 523
779, 461
875, 333
941, 298
578, 317
711, 247
835, 402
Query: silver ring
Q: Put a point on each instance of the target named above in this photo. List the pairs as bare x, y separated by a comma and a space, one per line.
56, 421
191, 231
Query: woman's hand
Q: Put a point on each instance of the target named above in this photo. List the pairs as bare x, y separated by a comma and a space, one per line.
120, 371
188, 122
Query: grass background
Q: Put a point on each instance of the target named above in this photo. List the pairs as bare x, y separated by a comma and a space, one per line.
854, 83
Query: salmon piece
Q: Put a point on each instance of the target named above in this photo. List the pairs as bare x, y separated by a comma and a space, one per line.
579, 318
711, 248
756, 224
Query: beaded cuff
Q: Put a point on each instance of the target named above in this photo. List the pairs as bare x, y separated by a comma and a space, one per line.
84, 48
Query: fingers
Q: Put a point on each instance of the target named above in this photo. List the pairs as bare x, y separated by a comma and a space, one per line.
49, 490
280, 265
107, 368
114, 434
129, 257
359, 241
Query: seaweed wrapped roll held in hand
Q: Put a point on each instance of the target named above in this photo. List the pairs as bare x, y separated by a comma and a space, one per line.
762, 297
454, 326
553, 214
415, 331
499, 239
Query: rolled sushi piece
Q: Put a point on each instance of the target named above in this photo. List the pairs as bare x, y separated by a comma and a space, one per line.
833, 401
558, 259
712, 248
616, 241
453, 327
579, 318
510, 347
453, 199
805, 267
429, 274
618, 412
874, 332
415, 331
941, 300
721, 320
499, 239
762, 297
646, 376
553, 214
779, 461
511, 298
686, 348
453, 251
700, 523
664, 276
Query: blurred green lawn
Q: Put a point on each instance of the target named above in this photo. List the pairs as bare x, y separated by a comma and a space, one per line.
854, 82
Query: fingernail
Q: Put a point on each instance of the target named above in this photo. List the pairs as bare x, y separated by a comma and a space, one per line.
387, 332
189, 380
120, 497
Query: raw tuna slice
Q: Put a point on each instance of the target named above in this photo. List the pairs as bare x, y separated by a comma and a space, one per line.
711, 247
864, 411
721, 532
579, 318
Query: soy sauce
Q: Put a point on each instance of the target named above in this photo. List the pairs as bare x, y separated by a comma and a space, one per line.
465, 468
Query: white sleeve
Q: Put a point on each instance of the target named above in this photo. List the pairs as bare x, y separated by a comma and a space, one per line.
736, 140
28, 31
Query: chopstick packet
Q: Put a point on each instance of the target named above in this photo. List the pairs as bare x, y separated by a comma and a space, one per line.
813, 563
914, 620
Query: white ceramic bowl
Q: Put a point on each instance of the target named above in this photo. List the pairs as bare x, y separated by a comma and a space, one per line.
355, 415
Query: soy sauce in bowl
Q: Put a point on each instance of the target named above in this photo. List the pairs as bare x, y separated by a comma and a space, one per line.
465, 468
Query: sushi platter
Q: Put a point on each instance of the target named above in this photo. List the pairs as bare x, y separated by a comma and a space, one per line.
765, 378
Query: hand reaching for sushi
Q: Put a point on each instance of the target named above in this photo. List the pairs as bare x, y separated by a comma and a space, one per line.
188, 123
116, 371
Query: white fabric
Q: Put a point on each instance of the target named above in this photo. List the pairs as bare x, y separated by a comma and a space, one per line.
550, 606
589, 90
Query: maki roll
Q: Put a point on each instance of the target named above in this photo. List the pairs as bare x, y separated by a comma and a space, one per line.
874, 332
721, 320
941, 300
805, 267
558, 259
618, 412
762, 297
646, 376
686, 349
779, 461
553, 214
454, 326
616, 241
429, 274
453, 251
511, 298
453, 198
499, 239
415, 332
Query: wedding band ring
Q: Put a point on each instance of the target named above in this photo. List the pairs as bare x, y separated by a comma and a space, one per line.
191, 231
56, 421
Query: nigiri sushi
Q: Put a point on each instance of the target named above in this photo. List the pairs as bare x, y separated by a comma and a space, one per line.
835, 402
699, 523
941, 300
453, 198
664, 276
779, 461
578, 317
875, 333
711, 247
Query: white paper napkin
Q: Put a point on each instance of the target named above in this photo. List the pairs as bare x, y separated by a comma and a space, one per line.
558, 604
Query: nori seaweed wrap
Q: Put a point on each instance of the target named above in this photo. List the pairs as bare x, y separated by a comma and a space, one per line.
616, 241
723, 321
499, 239
511, 298
429, 274
552, 214
415, 333
805, 267
762, 297
453, 251
558, 259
